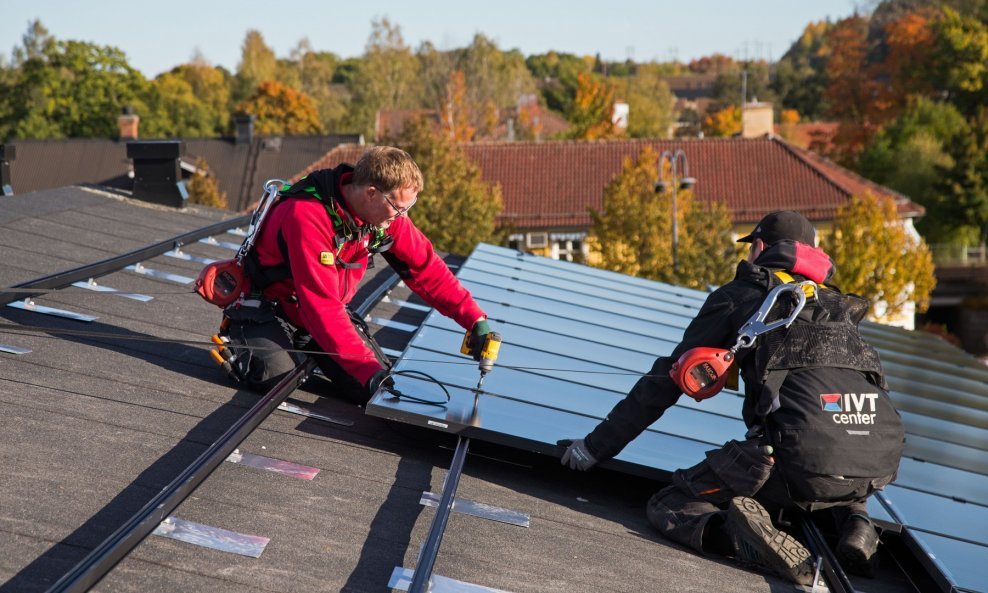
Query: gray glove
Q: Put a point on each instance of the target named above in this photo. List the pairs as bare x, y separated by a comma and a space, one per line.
576, 455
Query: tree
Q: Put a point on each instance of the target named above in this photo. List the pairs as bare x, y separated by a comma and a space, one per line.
558, 76
257, 64
456, 209
204, 189
593, 109
67, 89
912, 156
800, 76
650, 103
962, 49
964, 186
281, 110
633, 232
386, 78
726, 122
878, 259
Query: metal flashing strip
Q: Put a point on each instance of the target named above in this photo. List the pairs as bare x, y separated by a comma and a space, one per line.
401, 578
392, 352
14, 349
215, 538
139, 268
179, 254
279, 466
237, 232
479, 509
29, 305
405, 327
224, 244
407, 304
92, 285
293, 409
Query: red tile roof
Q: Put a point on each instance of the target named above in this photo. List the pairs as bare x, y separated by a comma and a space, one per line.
550, 185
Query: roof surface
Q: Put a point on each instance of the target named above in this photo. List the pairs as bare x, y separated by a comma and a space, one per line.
240, 168
552, 184
95, 425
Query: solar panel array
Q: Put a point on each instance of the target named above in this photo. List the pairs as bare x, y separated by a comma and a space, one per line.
577, 338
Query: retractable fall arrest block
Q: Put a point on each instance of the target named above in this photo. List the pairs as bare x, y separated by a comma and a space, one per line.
702, 372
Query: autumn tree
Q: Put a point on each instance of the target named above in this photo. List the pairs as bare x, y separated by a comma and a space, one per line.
726, 122
456, 209
281, 110
592, 110
879, 259
314, 73
961, 48
633, 232
204, 189
558, 74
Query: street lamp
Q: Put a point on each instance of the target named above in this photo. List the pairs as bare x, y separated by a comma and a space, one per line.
679, 170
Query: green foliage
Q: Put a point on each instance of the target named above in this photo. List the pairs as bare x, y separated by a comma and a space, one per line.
558, 74
457, 209
65, 89
964, 187
878, 259
800, 76
633, 233
910, 156
193, 100
592, 109
387, 78
204, 189
962, 50
257, 64
651, 104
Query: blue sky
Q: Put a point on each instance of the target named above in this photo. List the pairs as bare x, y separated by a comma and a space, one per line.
157, 35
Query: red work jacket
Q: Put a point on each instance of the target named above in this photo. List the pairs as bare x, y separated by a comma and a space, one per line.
313, 297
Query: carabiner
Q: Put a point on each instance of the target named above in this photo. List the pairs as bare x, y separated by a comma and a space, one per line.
271, 189
756, 326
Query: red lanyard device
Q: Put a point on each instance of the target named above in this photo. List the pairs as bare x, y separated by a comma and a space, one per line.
702, 372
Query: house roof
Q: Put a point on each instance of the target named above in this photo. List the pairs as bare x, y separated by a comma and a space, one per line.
95, 424
240, 168
552, 184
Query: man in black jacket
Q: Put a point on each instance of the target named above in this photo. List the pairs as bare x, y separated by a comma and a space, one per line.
822, 432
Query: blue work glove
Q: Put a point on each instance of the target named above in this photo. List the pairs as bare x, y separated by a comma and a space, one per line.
476, 340
380, 379
576, 455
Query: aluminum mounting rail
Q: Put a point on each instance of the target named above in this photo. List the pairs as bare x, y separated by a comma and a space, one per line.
106, 266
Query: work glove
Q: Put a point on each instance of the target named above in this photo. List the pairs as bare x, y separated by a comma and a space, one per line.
475, 338
378, 380
576, 455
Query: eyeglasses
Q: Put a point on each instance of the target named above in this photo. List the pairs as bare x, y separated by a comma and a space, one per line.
398, 211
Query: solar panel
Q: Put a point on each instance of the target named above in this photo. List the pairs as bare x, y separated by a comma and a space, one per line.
577, 338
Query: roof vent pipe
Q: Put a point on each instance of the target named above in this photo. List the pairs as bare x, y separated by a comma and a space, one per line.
7, 154
157, 172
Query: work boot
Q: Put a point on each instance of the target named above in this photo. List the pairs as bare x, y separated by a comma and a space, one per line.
857, 545
758, 543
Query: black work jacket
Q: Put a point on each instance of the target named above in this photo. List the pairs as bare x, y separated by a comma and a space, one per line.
715, 326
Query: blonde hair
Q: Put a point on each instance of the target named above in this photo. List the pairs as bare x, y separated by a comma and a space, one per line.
388, 168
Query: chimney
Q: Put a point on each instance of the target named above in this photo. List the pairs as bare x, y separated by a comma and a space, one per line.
245, 128
756, 120
7, 154
157, 172
127, 124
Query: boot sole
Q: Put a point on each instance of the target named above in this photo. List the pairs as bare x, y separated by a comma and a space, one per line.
759, 543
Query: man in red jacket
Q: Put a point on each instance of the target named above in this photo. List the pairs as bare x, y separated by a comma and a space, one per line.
310, 254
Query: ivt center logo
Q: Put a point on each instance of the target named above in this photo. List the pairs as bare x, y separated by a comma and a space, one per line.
850, 408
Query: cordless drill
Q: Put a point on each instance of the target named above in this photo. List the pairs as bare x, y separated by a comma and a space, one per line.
488, 352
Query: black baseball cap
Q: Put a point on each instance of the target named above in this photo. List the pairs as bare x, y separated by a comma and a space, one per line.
781, 225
